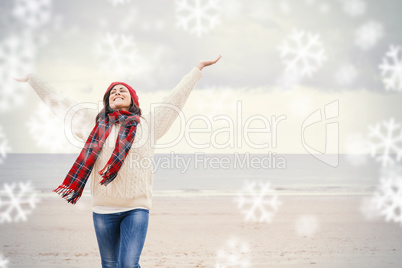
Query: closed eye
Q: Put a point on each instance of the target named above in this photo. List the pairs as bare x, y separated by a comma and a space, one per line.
114, 91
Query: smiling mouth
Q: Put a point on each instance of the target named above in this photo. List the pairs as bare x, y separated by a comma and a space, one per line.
118, 98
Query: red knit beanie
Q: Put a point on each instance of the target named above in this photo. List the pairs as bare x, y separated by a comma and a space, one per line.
130, 89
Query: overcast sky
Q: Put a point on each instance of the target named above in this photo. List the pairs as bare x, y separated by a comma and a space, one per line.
66, 43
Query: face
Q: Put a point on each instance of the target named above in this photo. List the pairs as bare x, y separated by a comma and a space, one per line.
119, 98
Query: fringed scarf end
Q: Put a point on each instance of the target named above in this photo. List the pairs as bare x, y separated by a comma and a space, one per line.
104, 170
70, 195
108, 174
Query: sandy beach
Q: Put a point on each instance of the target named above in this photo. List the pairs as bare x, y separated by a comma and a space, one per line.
189, 232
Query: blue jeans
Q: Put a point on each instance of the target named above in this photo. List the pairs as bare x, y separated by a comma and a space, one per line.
121, 237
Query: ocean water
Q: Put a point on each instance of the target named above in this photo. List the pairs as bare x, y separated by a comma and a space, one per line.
213, 174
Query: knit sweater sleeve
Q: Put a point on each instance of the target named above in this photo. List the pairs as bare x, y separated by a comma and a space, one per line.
78, 118
165, 114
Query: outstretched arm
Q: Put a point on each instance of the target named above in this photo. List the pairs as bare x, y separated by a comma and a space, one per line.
164, 115
205, 63
66, 109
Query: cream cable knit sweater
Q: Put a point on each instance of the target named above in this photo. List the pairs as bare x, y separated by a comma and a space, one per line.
132, 188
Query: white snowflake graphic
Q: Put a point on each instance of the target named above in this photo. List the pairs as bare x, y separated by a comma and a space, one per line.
305, 56
368, 35
383, 144
3, 262
34, 13
354, 8
388, 198
4, 148
197, 16
16, 58
307, 225
118, 54
16, 204
118, 2
233, 255
391, 72
258, 205
47, 130
346, 75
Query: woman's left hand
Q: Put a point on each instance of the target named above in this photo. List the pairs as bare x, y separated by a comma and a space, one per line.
204, 63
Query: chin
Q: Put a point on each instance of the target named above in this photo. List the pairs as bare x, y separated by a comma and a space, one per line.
120, 108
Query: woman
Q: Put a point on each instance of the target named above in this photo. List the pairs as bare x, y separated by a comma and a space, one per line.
118, 138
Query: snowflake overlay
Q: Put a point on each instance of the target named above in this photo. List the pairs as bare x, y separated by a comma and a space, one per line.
47, 130
384, 144
119, 55
3, 262
368, 35
16, 58
392, 72
307, 225
354, 8
258, 200
34, 13
306, 56
197, 17
117, 2
388, 198
4, 148
15, 204
232, 255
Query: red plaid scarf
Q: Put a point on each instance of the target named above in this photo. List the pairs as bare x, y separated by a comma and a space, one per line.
73, 185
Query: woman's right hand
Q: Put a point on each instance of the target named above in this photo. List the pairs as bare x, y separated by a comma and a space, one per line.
23, 79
